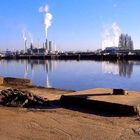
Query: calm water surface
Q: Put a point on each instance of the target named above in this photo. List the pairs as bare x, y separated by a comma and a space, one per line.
75, 75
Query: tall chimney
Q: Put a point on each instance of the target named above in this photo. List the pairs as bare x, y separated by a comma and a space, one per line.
46, 44
25, 45
50, 46
31, 46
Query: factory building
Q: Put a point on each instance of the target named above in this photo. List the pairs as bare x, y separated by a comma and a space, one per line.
46, 49
111, 50
37, 51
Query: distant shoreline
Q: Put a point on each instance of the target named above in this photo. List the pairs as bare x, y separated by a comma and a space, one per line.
90, 56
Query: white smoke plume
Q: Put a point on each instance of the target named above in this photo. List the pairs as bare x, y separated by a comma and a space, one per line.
47, 17
24, 36
30, 36
110, 36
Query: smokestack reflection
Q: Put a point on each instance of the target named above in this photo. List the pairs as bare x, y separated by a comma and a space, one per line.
47, 66
26, 70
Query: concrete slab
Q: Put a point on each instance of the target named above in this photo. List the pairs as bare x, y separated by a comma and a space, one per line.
104, 98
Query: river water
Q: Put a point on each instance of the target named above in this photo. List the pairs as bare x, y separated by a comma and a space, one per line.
75, 75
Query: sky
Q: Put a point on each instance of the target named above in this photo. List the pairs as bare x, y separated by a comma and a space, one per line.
76, 24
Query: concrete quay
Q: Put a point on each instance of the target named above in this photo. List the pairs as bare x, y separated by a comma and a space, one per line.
104, 100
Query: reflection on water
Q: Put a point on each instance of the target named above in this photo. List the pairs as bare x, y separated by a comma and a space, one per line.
126, 68
29, 67
46, 65
75, 75
122, 68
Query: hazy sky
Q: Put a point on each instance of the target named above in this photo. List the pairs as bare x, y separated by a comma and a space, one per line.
76, 24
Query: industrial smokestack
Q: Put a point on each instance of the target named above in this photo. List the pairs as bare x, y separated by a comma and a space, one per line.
47, 44
50, 46
25, 41
47, 17
31, 39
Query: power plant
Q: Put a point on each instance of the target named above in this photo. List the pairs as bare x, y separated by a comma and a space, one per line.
47, 48
115, 46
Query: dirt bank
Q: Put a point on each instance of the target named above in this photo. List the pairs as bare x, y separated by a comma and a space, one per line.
57, 123
63, 124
